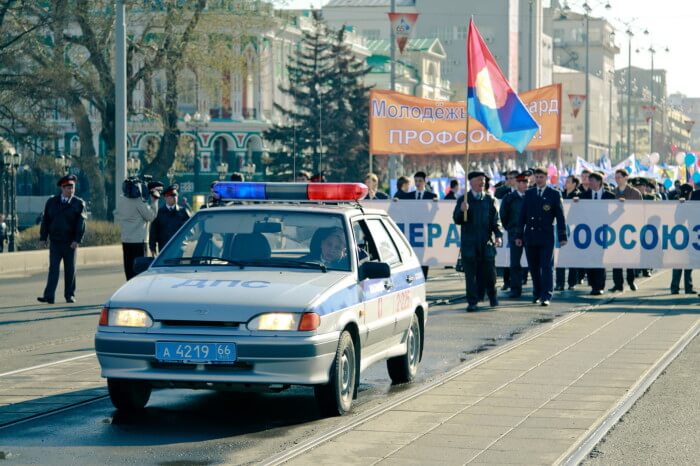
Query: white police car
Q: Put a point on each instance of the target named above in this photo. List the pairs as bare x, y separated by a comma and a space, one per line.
266, 295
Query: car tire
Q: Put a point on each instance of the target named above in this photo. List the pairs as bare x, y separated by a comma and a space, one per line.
335, 397
403, 369
128, 395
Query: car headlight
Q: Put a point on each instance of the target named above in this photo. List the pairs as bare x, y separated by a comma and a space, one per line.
123, 317
281, 321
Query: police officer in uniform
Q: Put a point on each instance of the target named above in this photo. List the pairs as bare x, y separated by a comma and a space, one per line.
63, 225
169, 219
542, 205
481, 234
510, 216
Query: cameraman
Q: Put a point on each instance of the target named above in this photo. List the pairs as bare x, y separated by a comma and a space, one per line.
139, 206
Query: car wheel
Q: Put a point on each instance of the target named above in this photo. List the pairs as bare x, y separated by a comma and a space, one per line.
335, 397
128, 395
403, 368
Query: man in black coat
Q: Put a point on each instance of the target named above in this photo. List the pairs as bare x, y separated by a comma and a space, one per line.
63, 225
508, 187
510, 217
169, 219
596, 277
480, 235
571, 190
454, 190
541, 207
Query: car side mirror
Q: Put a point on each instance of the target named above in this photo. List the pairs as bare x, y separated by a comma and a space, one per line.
141, 264
374, 270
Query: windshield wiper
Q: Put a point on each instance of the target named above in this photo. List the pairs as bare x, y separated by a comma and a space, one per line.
200, 259
300, 264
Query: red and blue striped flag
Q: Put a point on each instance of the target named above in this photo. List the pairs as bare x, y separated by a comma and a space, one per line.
491, 100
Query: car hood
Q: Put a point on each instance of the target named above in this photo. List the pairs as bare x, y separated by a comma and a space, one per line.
229, 296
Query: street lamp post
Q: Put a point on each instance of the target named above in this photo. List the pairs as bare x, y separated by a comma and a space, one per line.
629, 91
587, 16
222, 169
611, 82
63, 163
196, 122
12, 161
170, 175
249, 170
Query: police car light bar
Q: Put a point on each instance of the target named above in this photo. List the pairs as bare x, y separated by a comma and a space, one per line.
252, 191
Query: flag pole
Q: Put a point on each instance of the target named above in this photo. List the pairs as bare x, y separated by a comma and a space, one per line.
466, 139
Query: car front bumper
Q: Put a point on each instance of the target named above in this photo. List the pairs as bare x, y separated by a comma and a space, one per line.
268, 360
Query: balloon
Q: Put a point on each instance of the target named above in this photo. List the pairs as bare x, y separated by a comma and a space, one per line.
668, 183
696, 178
680, 157
689, 159
551, 170
654, 158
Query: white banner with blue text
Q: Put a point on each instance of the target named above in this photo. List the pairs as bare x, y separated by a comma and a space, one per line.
602, 234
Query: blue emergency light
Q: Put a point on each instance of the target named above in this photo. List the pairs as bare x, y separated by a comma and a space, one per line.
253, 191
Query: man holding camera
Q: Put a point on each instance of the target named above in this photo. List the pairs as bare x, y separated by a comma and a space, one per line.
136, 211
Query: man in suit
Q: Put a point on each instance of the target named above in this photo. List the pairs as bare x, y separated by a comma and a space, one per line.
402, 185
169, 219
571, 190
542, 205
372, 183
454, 190
480, 235
624, 192
420, 192
63, 225
596, 277
508, 187
510, 217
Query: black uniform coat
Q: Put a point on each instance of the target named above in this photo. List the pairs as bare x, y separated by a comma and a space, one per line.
502, 191
511, 205
165, 225
482, 227
537, 217
63, 223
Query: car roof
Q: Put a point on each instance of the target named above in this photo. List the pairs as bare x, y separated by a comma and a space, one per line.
348, 209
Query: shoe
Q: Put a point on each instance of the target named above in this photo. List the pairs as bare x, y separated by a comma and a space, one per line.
41, 299
70, 299
514, 295
689, 291
597, 293
471, 308
572, 287
545, 303
535, 300
633, 286
615, 288
493, 302
646, 273
505, 287
559, 288
675, 292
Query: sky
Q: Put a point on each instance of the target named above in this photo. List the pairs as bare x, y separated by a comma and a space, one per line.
671, 23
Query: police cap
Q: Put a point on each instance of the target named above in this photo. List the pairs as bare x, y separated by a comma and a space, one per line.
68, 179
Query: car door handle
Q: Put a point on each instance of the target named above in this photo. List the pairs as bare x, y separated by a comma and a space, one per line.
388, 285
409, 278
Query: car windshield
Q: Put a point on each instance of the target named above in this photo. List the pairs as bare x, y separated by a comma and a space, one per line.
260, 238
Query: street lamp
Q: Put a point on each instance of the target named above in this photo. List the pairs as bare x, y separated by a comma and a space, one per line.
222, 169
171, 176
63, 163
12, 161
133, 165
652, 107
196, 122
248, 169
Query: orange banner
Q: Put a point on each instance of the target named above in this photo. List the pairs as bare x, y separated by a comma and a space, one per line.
403, 124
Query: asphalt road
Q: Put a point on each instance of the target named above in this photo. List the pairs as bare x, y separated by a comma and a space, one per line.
203, 427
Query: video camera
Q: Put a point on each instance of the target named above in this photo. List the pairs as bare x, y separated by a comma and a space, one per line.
135, 187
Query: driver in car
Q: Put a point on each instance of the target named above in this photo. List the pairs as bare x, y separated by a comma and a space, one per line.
328, 247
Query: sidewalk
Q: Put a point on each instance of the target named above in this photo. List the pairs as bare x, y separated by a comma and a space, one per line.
533, 404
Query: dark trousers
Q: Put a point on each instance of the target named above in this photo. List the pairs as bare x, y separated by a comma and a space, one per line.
687, 280
596, 279
617, 277
506, 276
540, 261
130, 251
516, 270
479, 273
561, 277
61, 251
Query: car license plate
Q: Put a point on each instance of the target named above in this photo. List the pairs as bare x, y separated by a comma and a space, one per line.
196, 353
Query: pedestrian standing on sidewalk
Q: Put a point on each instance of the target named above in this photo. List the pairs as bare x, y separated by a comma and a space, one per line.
169, 219
134, 215
63, 226
481, 235
3, 232
541, 207
571, 190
